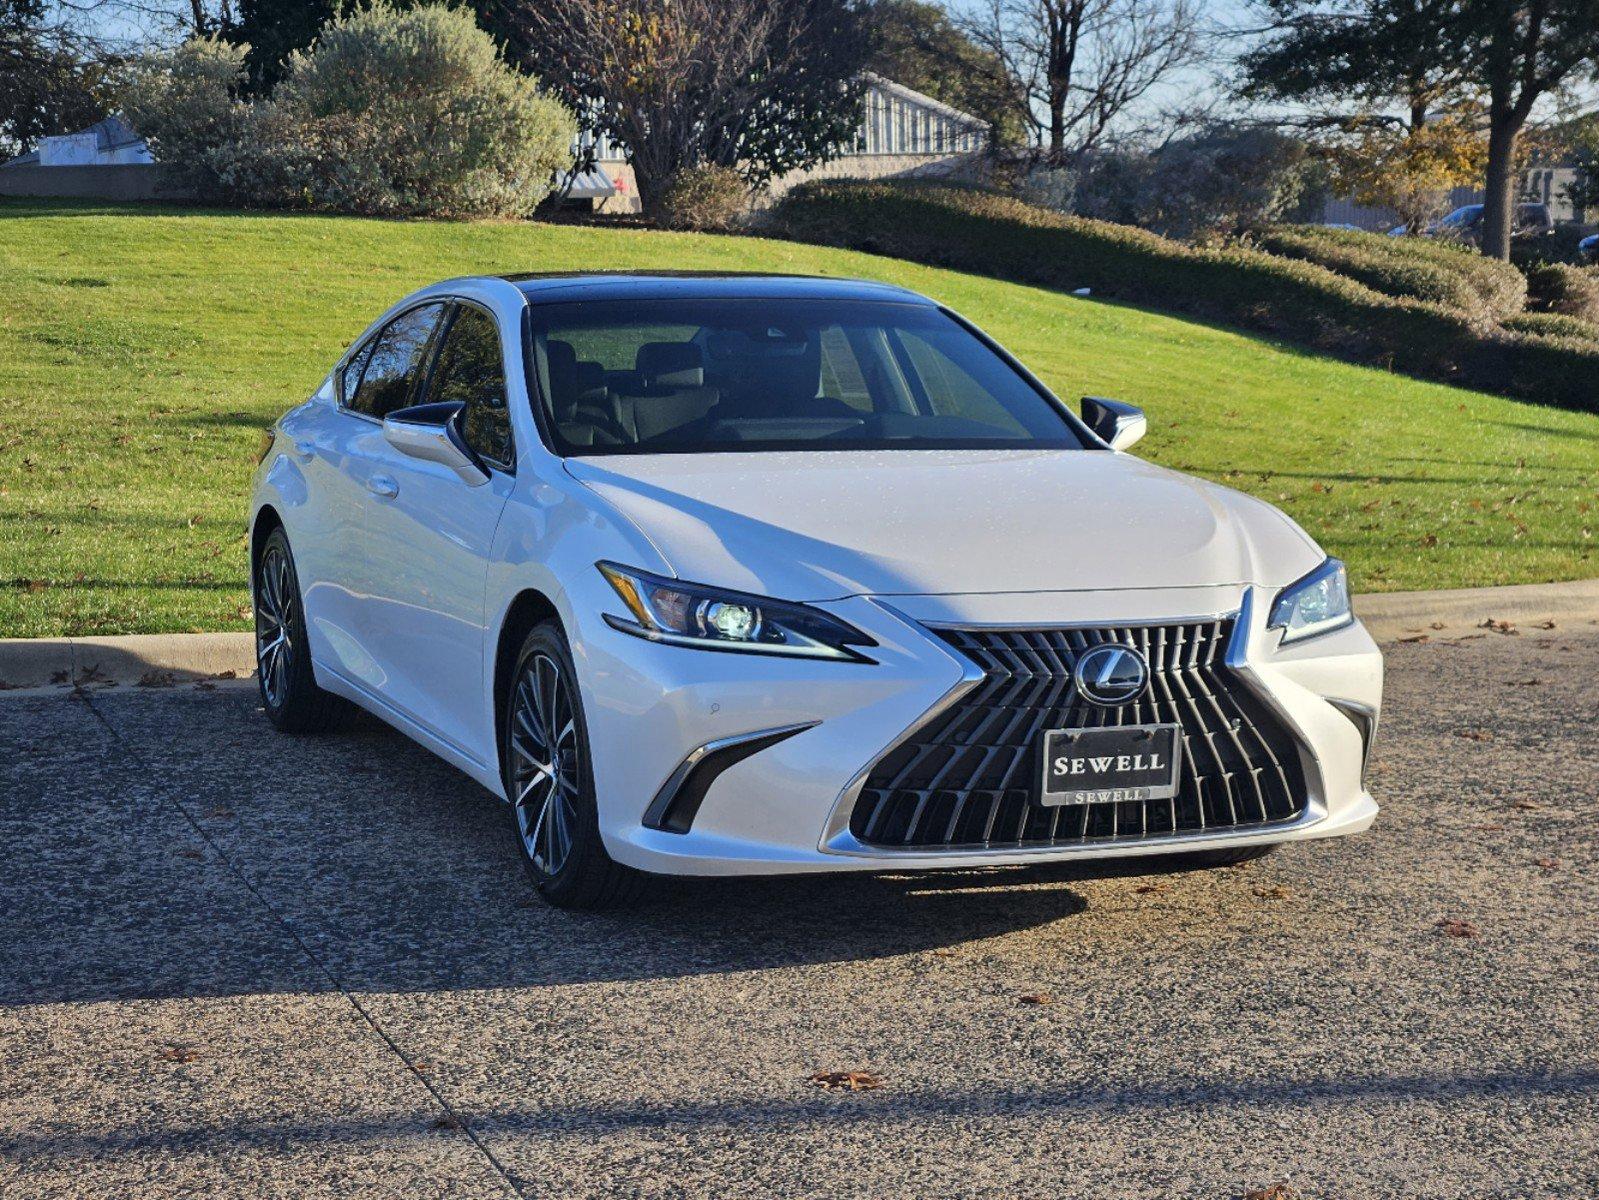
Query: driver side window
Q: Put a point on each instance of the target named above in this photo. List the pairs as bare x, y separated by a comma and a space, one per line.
470, 371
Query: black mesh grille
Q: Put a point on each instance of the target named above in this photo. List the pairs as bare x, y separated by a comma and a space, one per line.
969, 777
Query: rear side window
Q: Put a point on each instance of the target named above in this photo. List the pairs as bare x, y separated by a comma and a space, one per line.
470, 371
394, 363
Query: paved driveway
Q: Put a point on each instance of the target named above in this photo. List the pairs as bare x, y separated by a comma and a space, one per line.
233, 963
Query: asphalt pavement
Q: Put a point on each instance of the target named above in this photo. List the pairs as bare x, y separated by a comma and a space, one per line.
234, 963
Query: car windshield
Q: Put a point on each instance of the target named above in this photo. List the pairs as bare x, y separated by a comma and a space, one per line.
689, 376
1463, 216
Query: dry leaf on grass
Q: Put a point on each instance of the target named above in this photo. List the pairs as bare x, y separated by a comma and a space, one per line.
1037, 998
846, 1081
1499, 626
1456, 927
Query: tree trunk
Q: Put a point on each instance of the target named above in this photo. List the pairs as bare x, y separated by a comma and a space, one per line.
1499, 205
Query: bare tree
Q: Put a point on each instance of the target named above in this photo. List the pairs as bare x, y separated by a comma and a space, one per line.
1085, 63
763, 86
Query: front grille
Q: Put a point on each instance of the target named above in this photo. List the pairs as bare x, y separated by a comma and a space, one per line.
968, 778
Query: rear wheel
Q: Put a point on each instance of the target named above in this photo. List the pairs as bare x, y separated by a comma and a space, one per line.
549, 781
289, 693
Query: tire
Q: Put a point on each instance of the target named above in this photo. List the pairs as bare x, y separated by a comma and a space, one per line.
293, 702
553, 813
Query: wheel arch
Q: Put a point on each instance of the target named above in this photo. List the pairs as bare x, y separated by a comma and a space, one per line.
266, 520
528, 608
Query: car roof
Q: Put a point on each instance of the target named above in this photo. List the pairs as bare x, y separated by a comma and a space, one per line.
567, 287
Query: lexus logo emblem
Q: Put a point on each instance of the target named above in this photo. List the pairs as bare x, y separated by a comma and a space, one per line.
1111, 674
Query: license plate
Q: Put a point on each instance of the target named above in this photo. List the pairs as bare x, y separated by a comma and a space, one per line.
1099, 766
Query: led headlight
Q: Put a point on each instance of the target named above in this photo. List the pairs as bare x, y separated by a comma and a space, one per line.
689, 614
1318, 603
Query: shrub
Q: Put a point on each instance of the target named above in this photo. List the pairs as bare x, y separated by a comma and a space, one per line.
1223, 179
1553, 325
183, 103
389, 113
421, 101
703, 197
1484, 289
973, 230
1566, 290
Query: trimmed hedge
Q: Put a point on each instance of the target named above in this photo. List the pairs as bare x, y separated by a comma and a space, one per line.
1566, 290
968, 229
1485, 289
1548, 324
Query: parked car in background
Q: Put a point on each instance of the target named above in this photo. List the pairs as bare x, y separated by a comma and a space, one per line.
1588, 250
1531, 221
716, 575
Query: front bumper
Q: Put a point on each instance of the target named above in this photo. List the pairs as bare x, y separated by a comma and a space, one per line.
787, 807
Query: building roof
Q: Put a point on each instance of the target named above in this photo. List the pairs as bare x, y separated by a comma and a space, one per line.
922, 100
566, 287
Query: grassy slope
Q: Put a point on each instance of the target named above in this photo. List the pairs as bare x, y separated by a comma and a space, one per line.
140, 354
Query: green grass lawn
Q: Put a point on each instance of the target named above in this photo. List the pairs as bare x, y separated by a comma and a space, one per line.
142, 350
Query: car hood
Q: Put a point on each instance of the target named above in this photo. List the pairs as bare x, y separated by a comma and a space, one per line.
822, 525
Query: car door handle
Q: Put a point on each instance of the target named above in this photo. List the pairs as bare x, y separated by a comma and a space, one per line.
383, 486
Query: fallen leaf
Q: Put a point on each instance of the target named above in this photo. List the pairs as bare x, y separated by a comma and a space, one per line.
1437, 625
1037, 998
1277, 1191
157, 679
446, 1122
172, 1052
1527, 683
944, 952
1456, 927
1526, 805
1499, 626
205, 685
1430, 540
1149, 889
1547, 864
1475, 735
1420, 637
1544, 625
61, 677
1274, 891
852, 1081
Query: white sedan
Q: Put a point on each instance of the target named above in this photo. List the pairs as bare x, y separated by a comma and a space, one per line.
754, 574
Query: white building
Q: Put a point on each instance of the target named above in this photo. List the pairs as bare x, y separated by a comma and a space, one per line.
902, 133
107, 143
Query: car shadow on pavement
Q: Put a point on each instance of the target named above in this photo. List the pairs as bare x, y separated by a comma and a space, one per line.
189, 862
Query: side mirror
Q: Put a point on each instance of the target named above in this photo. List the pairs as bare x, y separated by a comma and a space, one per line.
1116, 423
428, 432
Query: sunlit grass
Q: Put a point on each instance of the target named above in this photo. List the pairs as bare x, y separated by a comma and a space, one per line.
142, 351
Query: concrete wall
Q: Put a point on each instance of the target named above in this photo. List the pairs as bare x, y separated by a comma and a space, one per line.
117, 183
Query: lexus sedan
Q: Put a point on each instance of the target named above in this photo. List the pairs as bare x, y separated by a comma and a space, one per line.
735, 574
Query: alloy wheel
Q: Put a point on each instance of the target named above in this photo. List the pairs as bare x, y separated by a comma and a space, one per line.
544, 763
274, 624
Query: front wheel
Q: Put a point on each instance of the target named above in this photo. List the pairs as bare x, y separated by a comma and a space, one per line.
549, 781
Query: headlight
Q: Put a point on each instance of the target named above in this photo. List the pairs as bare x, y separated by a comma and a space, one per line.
688, 614
1318, 603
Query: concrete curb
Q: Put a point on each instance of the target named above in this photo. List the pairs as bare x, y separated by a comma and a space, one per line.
162, 659
153, 659
1394, 615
